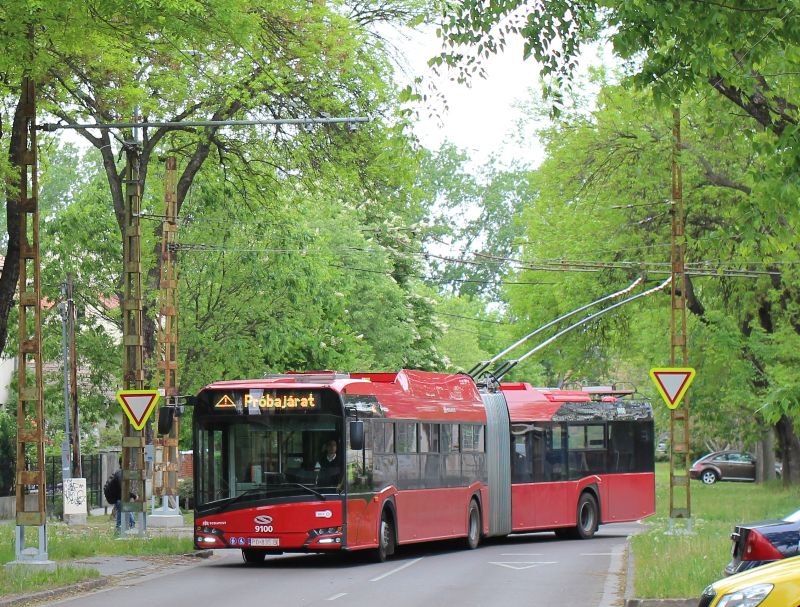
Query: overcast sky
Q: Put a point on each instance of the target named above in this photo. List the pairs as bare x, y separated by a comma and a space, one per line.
478, 118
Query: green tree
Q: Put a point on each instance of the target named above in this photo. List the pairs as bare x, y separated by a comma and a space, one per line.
601, 211
206, 59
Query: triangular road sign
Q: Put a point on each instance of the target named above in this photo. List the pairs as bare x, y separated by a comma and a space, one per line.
138, 405
522, 565
672, 383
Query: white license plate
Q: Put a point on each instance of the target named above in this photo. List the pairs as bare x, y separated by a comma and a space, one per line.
265, 541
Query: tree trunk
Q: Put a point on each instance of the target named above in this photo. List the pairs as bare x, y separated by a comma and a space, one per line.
790, 448
10, 274
765, 457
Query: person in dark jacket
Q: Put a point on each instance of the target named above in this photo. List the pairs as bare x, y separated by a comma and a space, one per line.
114, 492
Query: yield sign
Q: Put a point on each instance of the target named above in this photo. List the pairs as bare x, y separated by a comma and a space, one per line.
672, 383
138, 405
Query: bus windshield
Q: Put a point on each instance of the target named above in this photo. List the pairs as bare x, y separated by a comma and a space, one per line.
247, 457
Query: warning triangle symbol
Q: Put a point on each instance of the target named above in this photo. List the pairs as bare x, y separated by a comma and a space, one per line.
672, 383
225, 403
138, 405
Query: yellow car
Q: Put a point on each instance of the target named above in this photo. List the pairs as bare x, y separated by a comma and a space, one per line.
774, 585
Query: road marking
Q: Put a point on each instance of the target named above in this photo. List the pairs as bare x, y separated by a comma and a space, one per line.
393, 571
598, 554
522, 554
336, 596
523, 564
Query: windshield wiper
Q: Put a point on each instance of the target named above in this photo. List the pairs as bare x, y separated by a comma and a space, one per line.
232, 500
307, 488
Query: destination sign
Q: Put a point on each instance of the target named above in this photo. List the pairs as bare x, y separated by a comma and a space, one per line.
281, 401
257, 400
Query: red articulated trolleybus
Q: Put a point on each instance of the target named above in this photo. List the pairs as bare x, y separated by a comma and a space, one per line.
318, 462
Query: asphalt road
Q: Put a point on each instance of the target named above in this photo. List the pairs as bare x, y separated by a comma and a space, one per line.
534, 570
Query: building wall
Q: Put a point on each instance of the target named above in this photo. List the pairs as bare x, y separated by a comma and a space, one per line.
7, 368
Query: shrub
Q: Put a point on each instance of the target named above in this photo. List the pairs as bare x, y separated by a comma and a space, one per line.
186, 493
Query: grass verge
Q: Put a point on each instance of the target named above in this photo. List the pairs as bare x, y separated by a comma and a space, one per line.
681, 566
68, 543
21, 581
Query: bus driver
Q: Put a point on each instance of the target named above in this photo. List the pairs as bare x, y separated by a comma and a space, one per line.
329, 465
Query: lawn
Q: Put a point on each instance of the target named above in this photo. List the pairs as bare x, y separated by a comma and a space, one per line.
67, 543
681, 566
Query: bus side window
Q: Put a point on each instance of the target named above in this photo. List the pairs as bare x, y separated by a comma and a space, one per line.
645, 454
537, 449
473, 456
451, 452
385, 473
430, 465
555, 453
359, 463
621, 446
407, 455
521, 462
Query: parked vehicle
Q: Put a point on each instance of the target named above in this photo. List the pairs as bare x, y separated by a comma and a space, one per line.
775, 585
756, 544
726, 466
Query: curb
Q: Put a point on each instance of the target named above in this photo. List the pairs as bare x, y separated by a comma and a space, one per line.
42, 595
661, 603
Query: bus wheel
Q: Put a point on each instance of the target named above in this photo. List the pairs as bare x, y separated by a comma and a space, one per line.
587, 517
386, 542
473, 526
253, 557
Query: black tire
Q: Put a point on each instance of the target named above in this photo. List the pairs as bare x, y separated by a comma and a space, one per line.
709, 477
386, 538
588, 517
253, 557
473, 538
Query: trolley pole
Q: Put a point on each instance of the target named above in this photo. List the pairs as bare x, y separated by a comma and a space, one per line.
165, 471
680, 503
133, 441
30, 406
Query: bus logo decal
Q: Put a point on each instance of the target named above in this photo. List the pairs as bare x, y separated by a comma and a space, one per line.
263, 519
323, 514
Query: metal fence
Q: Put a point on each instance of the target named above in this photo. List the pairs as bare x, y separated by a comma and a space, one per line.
91, 468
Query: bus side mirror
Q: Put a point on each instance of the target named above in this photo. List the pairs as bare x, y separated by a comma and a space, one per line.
165, 418
356, 435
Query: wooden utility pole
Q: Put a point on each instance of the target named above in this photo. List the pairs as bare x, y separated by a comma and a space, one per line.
133, 441
680, 502
165, 472
30, 407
